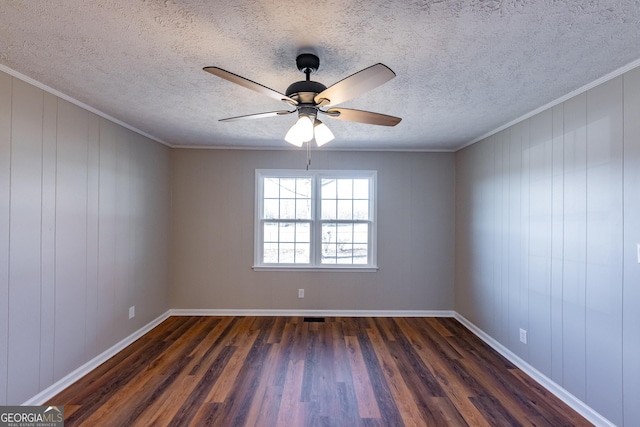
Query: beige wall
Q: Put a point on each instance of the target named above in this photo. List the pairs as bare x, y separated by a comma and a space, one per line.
212, 243
548, 223
84, 220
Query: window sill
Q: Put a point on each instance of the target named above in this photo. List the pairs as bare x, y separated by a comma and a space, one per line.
332, 269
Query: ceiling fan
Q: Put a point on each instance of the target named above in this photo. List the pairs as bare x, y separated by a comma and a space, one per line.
312, 99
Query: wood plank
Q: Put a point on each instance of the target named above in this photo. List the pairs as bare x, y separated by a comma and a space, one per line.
367, 405
291, 412
410, 413
228, 377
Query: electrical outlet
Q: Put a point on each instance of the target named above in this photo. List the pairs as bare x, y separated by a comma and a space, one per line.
132, 312
300, 293
523, 336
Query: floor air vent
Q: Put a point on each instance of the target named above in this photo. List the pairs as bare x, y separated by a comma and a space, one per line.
314, 319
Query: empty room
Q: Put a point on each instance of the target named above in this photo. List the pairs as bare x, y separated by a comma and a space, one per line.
366, 213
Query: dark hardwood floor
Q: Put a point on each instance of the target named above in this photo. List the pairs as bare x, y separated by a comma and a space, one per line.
284, 371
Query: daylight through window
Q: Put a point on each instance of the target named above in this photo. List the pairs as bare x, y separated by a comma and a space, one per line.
317, 219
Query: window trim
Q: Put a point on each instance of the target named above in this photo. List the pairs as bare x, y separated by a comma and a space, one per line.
316, 222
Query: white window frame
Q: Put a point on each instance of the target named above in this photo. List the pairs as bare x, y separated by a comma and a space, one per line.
315, 263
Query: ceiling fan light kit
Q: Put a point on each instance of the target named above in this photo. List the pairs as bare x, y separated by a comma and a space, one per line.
310, 98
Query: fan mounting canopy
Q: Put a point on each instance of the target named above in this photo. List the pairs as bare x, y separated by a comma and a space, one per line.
307, 61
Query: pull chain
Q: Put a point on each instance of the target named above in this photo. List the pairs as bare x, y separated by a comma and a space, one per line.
308, 155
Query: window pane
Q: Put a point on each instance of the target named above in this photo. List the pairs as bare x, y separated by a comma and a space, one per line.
303, 188
271, 208
270, 253
345, 233
287, 232
361, 189
345, 209
287, 253
328, 209
303, 232
287, 209
287, 188
303, 209
270, 231
328, 189
360, 254
303, 253
345, 189
361, 233
360, 209
271, 188
329, 253
329, 233
345, 253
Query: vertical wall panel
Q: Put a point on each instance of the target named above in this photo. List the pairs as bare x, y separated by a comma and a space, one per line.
540, 218
71, 238
604, 250
515, 227
138, 201
500, 215
522, 350
484, 233
107, 333
123, 260
47, 312
494, 268
575, 225
93, 194
5, 197
506, 248
159, 187
24, 242
557, 243
631, 295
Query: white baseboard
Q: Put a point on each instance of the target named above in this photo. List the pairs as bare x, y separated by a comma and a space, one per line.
312, 313
83, 370
568, 398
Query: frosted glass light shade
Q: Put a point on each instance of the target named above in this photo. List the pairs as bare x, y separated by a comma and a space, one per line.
322, 133
300, 132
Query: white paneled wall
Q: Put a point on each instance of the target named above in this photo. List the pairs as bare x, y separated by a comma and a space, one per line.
84, 235
547, 226
5, 188
631, 273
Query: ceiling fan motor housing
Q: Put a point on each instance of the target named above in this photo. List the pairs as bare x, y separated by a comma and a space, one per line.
304, 91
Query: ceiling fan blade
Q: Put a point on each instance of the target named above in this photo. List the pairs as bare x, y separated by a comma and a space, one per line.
257, 116
234, 78
360, 116
354, 85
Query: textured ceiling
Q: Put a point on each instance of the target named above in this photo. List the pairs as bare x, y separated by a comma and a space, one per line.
464, 68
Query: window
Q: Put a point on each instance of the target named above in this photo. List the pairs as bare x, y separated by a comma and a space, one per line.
315, 219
